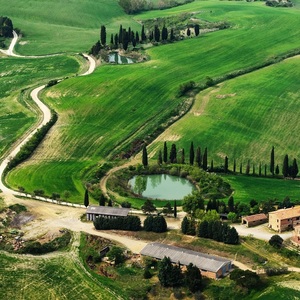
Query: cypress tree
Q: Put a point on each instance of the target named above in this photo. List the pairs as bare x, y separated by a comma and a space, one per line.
116, 40
253, 169
197, 29
241, 168
164, 33
156, 33
111, 40
102, 200
182, 156
188, 32
204, 164
109, 203
198, 156
120, 34
294, 168
259, 169
226, 165
234, 166
185, 225
129, 35
103, 35
192, 154
165, 158
272, 161
231, 204
173, 154
143, 35
265, 170
212, 165
277, 170
159, 160
172, 36
203, 229
248, 168
175, 209
125, 39
145, 156
86, 198
137, 37
285, 167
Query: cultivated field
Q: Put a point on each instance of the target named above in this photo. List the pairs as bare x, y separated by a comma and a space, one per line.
103, 114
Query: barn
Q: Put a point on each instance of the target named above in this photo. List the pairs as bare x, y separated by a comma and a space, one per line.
109, 212
210, 265
254, 220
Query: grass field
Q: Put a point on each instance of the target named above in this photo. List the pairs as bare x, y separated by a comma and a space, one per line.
246, 117
70, 27
17, 77
43, 278
117, 101
247, 188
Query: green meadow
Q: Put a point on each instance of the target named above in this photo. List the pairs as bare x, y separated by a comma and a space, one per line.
59, 26
17, 77
102, 114
247, 188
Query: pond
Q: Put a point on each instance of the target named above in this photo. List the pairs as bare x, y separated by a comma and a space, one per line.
162, 186
118, 59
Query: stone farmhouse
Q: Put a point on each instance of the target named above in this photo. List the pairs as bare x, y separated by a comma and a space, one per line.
254, 220
284, 219
210, 265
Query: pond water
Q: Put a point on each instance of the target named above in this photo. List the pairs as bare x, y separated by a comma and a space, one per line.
118, 59
162, 186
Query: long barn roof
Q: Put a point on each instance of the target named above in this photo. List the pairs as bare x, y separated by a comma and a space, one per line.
108, 211
185, 257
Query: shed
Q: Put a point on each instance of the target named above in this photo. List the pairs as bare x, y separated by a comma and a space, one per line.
94, 211
254, 220
210, 265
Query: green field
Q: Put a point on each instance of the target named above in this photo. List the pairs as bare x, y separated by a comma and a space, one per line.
59, 277
119, 104
247, 188
17, 77
57, 26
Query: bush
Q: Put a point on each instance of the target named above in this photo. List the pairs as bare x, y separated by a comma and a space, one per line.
18, 208
276, 241
131, 223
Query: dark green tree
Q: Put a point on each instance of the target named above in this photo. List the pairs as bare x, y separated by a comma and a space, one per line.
117, 255
175, 209
248, 168
159, 224
86, 198
188, 32
159, 160
164, 33
103, 35
120, 34
193, 278
197, 29
203, 229
137, 37
226, 164
231, 237
259, 169
285, 168
145, 156
156, 33
185, 225
148, 223
212, 165
102, 200
168, 274
234, 166
231, 204
276, 241
116, 41
204, 164
173, 154
109, 203
241, 168
182, 156
272, 161
277, 170
148, 207
172, 36
167, 209
143, 35
125, 39
198, 156
192, 154
294, 168
165, 157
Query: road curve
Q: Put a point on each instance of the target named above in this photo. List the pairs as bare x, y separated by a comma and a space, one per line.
46, 116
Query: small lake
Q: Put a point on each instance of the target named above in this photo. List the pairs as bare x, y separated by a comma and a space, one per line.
118, 59
162, 186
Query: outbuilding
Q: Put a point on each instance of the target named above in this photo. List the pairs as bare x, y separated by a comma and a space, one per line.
254, 220
109, 212
210, 265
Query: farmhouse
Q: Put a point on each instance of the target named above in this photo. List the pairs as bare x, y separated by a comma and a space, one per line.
94, 211
296, 236
284, 219
210, 266
254, 220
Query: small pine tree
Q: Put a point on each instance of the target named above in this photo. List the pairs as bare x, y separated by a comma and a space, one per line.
234, 166
165, 157
145, 156
192, 154
103, 35
285, 168
159, 160
226, 164
173, 154
175, 209
204, 164
272, 161
197, 29
185, 225
86, 198
182, 156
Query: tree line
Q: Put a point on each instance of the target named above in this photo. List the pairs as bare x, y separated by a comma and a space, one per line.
6, 27
127, 37
212, 229
200, 159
